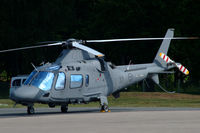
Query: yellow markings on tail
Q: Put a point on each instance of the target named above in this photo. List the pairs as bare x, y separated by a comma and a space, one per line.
100, 55
187, 72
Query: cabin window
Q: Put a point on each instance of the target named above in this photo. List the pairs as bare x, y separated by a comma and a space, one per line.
86, 80
16, 82
60, 83
76, 81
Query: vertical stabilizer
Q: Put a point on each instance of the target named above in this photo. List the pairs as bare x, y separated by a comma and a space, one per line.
164, 48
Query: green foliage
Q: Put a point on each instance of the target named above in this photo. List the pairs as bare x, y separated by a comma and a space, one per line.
4, 89
3, 76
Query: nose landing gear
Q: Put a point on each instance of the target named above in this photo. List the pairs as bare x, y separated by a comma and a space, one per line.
64, 108
30, 110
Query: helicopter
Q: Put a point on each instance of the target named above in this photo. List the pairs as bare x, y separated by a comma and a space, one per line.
81, 75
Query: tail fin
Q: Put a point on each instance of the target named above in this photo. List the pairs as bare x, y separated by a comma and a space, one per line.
164, 48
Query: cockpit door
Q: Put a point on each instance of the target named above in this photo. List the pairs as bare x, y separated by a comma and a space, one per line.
59, 90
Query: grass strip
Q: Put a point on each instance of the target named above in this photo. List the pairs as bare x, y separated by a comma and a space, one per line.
134, 99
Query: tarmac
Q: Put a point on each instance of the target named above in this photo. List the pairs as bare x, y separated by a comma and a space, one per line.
90, 120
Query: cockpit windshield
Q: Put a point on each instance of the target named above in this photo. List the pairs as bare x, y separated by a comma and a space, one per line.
29, 78
43, 80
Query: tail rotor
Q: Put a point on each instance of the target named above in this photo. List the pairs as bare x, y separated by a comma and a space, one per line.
183, 69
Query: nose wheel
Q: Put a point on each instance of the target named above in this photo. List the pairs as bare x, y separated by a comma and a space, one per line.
64, 108
30, 110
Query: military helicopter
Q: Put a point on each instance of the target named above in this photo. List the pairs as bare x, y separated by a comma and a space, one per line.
80, 75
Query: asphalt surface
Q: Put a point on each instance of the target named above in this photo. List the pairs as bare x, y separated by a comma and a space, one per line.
90, 120
22, 112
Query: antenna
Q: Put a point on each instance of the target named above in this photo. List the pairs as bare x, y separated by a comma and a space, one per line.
42, 63
34, 67
128, 65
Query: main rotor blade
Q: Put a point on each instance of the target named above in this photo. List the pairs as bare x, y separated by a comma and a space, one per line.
138, 39
31, 47
85, 48
48, 42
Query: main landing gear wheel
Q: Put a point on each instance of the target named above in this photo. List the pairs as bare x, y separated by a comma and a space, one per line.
105, 108
64, 109
30, 110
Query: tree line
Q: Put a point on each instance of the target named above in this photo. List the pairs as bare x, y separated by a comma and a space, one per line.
26, 22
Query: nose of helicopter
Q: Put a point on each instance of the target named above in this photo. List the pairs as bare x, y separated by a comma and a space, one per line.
24, 93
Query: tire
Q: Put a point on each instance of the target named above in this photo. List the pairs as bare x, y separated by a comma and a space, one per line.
105, 108
30, 110
52, 105
64, 109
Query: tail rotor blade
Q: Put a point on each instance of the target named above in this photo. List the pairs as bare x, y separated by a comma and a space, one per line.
182, 68
166, 58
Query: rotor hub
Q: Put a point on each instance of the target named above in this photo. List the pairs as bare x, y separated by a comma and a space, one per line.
68, 43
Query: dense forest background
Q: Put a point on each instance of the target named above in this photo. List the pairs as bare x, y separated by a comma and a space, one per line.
26, 22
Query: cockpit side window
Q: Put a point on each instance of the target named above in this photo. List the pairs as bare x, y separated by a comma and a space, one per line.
23, 81
60, 83
16, 82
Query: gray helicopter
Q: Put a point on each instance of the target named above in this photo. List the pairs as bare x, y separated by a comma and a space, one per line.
80, 75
